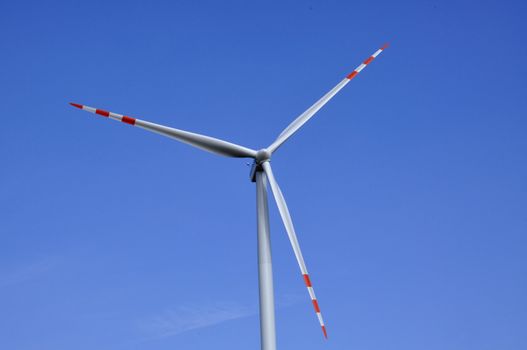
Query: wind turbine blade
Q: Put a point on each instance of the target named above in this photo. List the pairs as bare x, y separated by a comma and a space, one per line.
288, 223
203, 142
304, 117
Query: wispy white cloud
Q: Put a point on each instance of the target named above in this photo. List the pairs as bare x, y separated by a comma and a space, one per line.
177, 320
22, 273
290, 299
185, 318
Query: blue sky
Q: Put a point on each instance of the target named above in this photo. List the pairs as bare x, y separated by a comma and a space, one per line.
408, 190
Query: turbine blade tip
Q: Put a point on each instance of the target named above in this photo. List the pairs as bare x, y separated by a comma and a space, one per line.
76, 105
385, 46
325, 332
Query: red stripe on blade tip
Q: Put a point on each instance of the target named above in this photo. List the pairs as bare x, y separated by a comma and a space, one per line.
128, 120
315, 305
307, 280
76, 105
324, 331
369, 60
102, 112
352, 75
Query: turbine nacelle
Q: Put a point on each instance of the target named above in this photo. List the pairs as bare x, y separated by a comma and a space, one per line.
262, 155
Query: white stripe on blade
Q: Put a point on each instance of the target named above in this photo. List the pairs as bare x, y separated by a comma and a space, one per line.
89, 109
320, 319
359, 68
377, 53
311, 293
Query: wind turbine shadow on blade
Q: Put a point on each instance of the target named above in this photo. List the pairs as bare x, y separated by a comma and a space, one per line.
262, 174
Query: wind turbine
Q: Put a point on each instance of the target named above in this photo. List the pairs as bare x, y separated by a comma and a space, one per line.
261, 173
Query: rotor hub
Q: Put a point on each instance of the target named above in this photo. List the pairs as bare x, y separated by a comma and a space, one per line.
262, 156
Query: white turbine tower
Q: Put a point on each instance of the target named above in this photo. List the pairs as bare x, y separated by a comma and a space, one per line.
261, 173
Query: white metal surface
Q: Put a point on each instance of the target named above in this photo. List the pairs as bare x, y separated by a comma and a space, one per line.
265, 266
